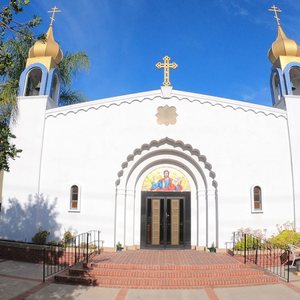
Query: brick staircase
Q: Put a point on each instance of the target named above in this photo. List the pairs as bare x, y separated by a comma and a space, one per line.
164, 269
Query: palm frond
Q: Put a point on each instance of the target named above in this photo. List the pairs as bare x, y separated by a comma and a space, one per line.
18, 48
71, 64
8, 98
69, 96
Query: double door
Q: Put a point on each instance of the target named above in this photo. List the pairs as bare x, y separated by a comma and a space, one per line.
165, 223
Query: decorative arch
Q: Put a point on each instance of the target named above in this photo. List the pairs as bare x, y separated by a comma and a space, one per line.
53, 92
288, 79
280, 90
188, 160
174, 144
24, 77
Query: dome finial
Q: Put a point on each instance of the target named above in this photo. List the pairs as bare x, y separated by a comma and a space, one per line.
283, 49
53, 10
276, 10
48, 51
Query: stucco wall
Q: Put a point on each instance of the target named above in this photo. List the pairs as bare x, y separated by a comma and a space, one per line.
86, 144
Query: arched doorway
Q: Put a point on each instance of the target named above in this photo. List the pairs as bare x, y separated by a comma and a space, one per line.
165, 209
166, 154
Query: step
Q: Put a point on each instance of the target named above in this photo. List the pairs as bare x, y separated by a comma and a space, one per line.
160, 270
166, 267
181, 283
82, 280
168, 274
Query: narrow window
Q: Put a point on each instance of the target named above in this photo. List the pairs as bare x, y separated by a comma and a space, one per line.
295, 80
33, 83
257, 205
55, 88
276, 88
74, 197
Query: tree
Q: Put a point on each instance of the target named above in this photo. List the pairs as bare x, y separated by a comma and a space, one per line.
9, 24
13, 56
7, 149
69, 67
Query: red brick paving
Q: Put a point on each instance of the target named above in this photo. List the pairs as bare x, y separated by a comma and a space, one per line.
31, 291
122, 294
20, 277
165, 257
166, 269
292, 286
211, 294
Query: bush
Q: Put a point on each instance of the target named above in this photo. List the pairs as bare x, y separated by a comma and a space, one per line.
284, 238
251, 242
68, 236
40, 237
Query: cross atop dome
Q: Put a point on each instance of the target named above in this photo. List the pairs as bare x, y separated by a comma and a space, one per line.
53, 10
276, 10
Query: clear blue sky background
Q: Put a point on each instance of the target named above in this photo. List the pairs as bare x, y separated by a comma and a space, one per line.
220, 45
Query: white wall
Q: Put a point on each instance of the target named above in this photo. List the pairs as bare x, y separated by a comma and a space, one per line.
87, 143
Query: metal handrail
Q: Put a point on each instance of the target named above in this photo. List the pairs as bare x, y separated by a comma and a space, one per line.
260, 252
73, 251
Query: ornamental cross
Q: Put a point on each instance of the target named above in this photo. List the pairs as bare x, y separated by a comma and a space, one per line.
53, 10
276, 10
166, 65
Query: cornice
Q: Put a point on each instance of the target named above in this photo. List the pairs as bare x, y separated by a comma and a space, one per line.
179, 95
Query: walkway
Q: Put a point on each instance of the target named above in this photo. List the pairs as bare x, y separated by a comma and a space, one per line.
20, 280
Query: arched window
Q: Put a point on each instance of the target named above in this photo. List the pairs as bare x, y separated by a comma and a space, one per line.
295, 80
55, 88
257, 199
74, 198
276, 88
33, 83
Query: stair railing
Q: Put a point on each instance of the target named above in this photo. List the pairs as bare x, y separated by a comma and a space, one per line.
251, 249
78, 249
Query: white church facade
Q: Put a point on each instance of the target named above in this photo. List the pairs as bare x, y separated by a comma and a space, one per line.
165, 168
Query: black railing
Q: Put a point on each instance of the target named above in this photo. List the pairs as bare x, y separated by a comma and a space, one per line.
251, 249
54, 258
78, 249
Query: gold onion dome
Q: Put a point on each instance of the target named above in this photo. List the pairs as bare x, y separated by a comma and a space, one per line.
47, 48
283, 46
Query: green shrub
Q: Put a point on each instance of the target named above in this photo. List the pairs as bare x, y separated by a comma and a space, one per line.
68, 236
40, 237
284, 238
119, 246
251, 243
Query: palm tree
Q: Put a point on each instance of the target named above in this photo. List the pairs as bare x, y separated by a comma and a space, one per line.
71, 64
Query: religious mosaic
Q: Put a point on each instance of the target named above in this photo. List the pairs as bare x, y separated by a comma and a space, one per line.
166, 179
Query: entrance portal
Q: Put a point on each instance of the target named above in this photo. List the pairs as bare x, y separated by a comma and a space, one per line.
165, 220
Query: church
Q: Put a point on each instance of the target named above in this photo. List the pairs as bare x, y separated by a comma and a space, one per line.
163, 168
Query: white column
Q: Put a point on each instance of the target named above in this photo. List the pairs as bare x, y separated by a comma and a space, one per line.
137, 219
120, 216
211, 217
202, 217
129, 218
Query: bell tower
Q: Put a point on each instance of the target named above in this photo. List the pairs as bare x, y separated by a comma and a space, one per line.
39, 90
41, 75
284, 55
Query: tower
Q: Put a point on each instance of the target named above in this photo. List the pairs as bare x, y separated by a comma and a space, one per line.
284, 55
39, 90
41, 75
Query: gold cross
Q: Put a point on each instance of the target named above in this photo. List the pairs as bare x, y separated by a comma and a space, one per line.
53, 10
166, 65
276, 10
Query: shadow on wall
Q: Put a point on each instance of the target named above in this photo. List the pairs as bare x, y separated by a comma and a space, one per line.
21, 221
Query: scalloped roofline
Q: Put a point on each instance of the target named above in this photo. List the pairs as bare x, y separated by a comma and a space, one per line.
180, 95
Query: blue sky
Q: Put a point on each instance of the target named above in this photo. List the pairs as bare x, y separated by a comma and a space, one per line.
220, 45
